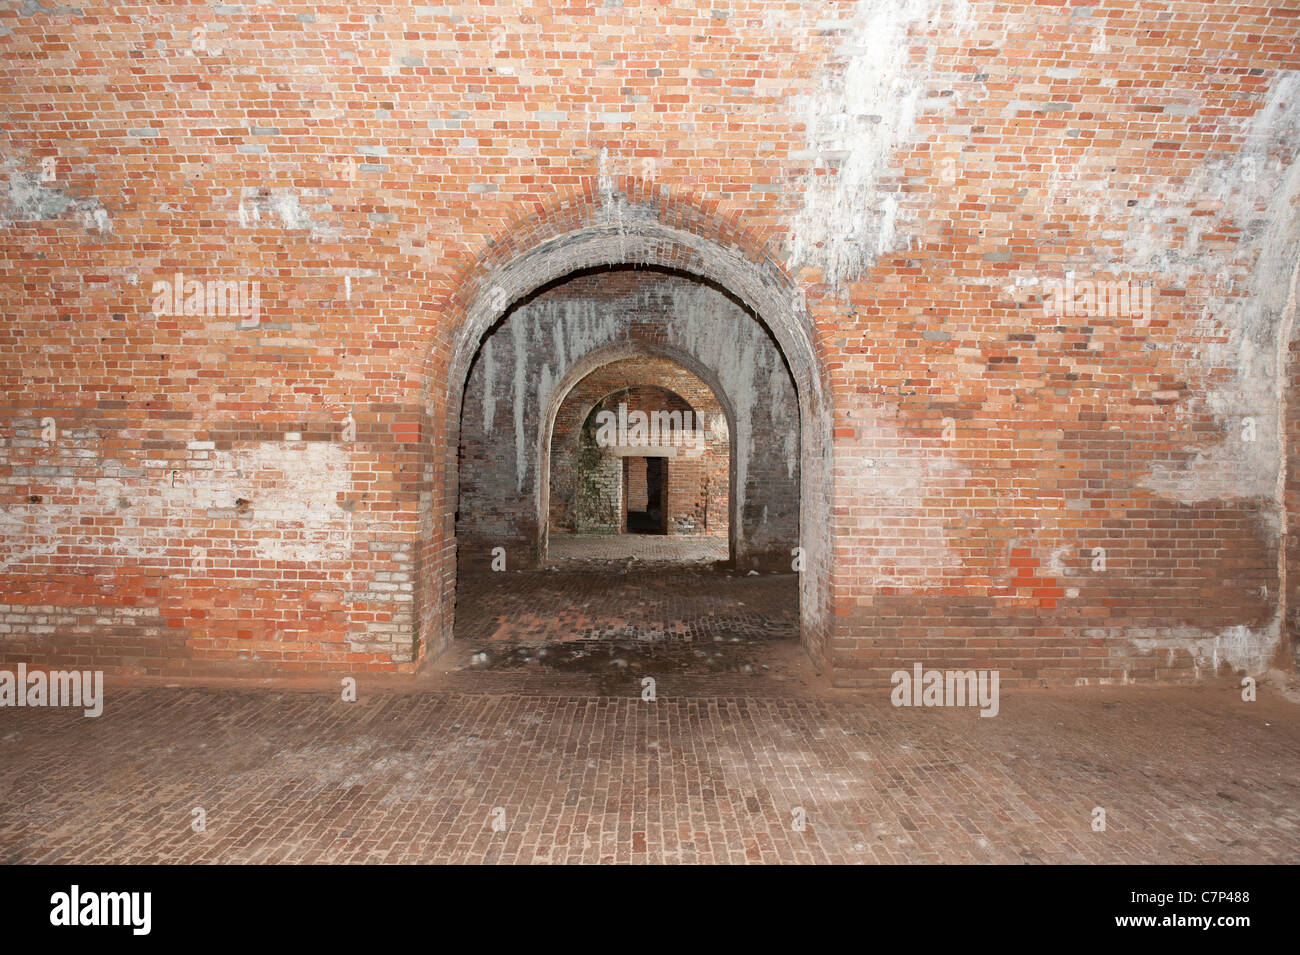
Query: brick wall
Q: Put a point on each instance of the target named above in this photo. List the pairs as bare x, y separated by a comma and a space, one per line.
895, 189
638, 489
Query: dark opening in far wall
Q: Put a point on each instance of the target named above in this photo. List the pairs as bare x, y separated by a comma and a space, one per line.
645, 485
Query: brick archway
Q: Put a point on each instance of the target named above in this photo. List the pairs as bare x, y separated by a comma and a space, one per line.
628, 233
610, 355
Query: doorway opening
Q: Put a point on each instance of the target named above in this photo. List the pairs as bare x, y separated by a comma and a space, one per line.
645, 497
667, 447
652, 457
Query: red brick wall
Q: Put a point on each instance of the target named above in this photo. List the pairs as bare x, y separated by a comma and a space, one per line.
892, 188
638, 491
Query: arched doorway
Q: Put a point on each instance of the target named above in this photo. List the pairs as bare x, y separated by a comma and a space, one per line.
690, 244
624, 365
531, 359
640, 446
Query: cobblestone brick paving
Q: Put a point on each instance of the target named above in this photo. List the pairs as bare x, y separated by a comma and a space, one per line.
299, 776
588, 597
584, 770
648, 548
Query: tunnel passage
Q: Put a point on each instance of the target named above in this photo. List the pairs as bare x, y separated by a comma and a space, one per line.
546, 345
686, 290
629, 453
640, 445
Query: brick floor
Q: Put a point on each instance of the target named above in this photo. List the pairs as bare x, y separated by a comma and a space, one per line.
595, 589
563, 549
552, 731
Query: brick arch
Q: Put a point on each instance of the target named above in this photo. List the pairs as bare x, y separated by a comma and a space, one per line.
694, 481
632, 228
635, 228
674, 395
620, 205
591, 364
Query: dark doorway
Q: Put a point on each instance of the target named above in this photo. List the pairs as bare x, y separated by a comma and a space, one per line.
645, 490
